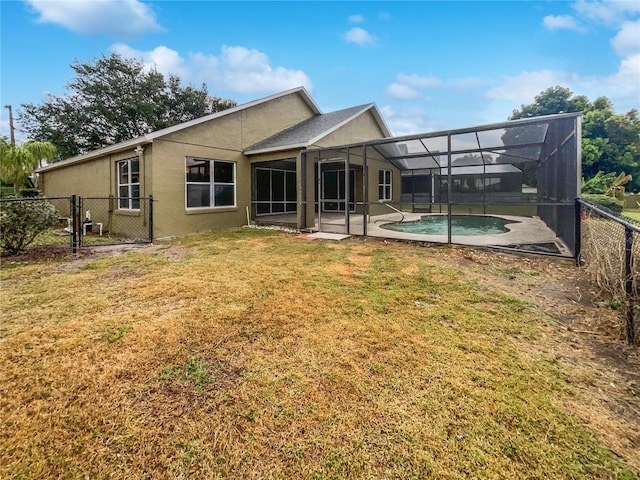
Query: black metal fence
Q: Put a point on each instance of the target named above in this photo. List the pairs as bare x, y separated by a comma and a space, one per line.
608, 246
113, 220
83, 221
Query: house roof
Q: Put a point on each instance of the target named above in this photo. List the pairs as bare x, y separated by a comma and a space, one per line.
493, 168
310, 131
148, 138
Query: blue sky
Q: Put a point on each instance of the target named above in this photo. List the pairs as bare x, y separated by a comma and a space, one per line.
427, 65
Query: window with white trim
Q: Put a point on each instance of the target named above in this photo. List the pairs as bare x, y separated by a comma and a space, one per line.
384, 185
129, 184
210, 183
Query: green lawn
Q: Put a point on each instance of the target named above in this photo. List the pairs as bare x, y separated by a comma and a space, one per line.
255, 354
632, 214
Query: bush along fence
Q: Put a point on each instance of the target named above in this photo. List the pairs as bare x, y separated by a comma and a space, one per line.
74, 222
608, 247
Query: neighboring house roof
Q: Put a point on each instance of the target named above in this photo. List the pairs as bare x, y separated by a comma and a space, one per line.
493, 168
148, 138
312, 130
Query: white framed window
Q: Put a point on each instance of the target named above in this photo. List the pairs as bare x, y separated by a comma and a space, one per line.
384, 185
210, 183
129, 184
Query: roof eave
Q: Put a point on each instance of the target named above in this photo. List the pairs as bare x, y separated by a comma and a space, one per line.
381, 121
148, 138
238, 108
280, 148
118, 147
376, 114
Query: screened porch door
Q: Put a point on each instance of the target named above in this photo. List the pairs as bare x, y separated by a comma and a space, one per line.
334, 187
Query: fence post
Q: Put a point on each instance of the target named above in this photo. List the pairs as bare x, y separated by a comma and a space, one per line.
577, 247
74, 231
628, 284
151, 218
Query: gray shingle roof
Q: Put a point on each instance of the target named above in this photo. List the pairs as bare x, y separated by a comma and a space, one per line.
306, 132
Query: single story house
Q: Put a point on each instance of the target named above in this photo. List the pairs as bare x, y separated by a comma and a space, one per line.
206, 174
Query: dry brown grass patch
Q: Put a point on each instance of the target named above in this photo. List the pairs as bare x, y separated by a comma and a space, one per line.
251, 354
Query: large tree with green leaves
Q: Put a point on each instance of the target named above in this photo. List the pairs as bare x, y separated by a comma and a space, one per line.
112, 99
18, 162
610, 142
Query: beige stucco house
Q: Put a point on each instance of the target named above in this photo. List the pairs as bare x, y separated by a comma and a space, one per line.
206, 174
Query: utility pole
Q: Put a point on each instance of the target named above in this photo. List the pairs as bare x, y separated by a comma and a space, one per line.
11, 129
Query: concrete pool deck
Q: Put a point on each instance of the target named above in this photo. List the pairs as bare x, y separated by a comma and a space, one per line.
524, 230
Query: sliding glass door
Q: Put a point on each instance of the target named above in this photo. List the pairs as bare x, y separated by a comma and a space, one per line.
275, 191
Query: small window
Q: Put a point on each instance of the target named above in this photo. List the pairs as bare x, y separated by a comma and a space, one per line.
210, 183
129, 184
384, 185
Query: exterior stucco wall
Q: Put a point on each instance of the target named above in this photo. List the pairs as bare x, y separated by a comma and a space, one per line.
221, 139
374, 167
98, 177
171, 216
88, 178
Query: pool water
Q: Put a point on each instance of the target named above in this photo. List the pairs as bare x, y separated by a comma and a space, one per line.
460, 225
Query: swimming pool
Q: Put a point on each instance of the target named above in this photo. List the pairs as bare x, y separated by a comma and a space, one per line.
469, 225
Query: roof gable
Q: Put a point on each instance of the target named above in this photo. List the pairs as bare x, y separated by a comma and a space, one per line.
314, 129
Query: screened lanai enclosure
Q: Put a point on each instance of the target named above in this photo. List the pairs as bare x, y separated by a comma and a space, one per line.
509, 185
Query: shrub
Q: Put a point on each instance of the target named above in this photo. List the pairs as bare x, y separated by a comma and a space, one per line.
21, 221
29, 192
6, 192
606, 201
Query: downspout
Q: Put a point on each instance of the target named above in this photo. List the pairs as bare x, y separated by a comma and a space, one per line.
139, 150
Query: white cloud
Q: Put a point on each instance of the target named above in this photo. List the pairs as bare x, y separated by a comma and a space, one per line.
622, 87
558, 22
407, 87
522, 88
116, 18
609, 12
402, 92
236, 68
4, 127
384, 16
626, 81
162, 58
407, 121
355, 19
627, 40
417, 81
359, 36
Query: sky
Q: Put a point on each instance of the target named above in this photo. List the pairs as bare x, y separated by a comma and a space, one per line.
428, 65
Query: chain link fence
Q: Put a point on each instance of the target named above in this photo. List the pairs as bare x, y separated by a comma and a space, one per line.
21, 215
610, 252
74, 222
114, 220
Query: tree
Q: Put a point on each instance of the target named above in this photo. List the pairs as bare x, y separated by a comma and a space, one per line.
18, 162
114, 99
608, 184
610, 142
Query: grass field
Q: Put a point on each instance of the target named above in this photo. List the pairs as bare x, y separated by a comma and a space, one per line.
635, 215
255, 354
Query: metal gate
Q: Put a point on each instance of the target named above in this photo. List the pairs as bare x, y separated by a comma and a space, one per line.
100, 221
